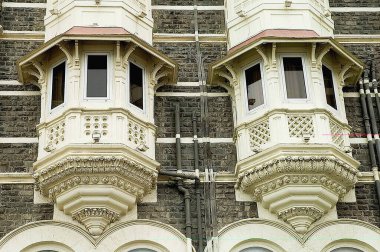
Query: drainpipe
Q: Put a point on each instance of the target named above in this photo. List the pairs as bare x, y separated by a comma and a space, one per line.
197, 185
372, 154
178, 138
186, 194
377, 99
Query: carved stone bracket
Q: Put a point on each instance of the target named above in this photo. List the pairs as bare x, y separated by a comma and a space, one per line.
66, 51
298, 189
230, 75
343, 75
128, 53
79, 185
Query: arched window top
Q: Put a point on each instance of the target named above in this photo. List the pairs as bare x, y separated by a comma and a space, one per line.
142, 250
346, 249
256, 249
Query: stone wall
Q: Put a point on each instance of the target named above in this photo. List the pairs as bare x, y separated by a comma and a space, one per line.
22, 19
366, 207
10, 52
17, 208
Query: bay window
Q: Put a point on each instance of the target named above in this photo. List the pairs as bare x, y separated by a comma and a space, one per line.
294, 78
97, 76
329, 86
136, 85
254, 87
58, 85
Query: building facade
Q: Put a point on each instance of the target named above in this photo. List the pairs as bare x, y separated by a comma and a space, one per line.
202, 125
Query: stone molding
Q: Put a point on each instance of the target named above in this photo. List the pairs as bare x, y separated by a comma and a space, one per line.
298, 170
117, 171
298, 183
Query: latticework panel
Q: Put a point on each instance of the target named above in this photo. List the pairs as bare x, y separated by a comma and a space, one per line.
300, 125
56, 134
259, 134
136, 133
336, 134
96, 124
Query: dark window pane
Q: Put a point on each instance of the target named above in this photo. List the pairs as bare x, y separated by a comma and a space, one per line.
294, 78
256, 249
142, 250
346, 249
254, 87
58, 85
97, 76
329, 87
136, 93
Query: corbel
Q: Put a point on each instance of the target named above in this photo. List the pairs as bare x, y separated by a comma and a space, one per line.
35, 74
154, 77
265, 58
118, 57
342, 74
128, 53
233, 74
161, 75
274, 48
41, 72
322, 54
313, 54
76, 53
65, 50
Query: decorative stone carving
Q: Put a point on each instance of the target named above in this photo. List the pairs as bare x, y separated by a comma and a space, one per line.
293, 214
96, 189
300, 125
259, 134
55, 135
96, 124
136, 134
299, 183
336, 134
103, 216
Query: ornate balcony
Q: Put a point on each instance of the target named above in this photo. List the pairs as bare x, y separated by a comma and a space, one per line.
96, 154
291, 131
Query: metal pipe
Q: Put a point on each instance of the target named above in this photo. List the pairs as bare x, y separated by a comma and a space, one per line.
186, 194
184, 175
197, 184
375, 169
367, 126
372, 114
178, 138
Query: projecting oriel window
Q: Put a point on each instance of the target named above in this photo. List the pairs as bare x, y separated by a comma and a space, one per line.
253, 81
329, 87
136, 85
97, 76
294, 78
58, 85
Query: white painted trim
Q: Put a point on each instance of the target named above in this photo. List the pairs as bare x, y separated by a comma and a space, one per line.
24, 5
18, 140
357, 38
351, 94
10, 82
190, 140
16, 178
354, 9
184, 94
358, 140
188, 84
188, 7
20, 93
27, 178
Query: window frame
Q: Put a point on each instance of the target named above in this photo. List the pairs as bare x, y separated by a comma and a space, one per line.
145, 87
336, 90
245, 91
109, 72
50, 87
282, 79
